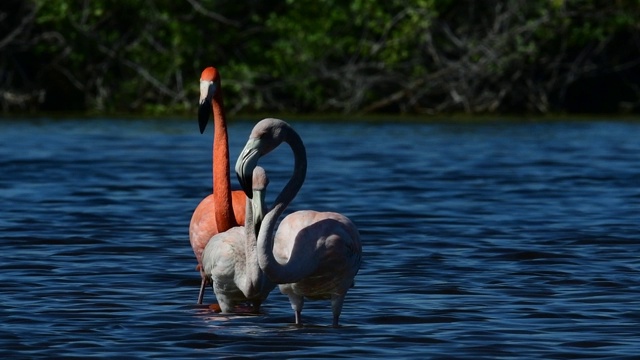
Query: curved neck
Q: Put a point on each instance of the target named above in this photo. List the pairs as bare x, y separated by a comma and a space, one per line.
291, 271
221, 179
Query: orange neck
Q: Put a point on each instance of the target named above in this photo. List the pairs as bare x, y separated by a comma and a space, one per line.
224, 216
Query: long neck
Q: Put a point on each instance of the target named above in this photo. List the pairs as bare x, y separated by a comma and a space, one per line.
291, 271
221, 179
254, 279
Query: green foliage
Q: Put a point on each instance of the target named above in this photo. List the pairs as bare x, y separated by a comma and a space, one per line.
314, 55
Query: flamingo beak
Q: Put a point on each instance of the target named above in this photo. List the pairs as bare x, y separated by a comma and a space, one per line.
247, 161
207, 91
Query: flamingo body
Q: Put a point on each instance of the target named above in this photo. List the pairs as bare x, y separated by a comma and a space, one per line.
203, 224
329, 244
224, 263
312, 254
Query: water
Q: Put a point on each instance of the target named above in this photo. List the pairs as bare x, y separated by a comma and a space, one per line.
497, 240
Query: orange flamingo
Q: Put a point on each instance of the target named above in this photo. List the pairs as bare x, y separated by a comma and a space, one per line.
223, 209
230, 259
313, 254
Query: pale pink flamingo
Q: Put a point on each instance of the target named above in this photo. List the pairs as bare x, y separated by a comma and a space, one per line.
223, 209
230, 260
313, 254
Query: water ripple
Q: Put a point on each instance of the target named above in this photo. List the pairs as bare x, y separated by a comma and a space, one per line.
497, 240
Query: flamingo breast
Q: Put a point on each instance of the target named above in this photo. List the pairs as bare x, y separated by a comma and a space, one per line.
202, 226
221, 256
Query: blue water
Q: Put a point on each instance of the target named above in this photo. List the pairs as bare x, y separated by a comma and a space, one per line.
498, 240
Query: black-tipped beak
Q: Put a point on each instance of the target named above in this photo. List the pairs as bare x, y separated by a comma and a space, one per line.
204, 111
207, 91
247, 161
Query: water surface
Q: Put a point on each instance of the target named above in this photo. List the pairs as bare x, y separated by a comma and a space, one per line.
494, 240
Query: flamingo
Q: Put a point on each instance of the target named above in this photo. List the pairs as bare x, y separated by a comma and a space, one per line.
313, 255
230, 260
223, 209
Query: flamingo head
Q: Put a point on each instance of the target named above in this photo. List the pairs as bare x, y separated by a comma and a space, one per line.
247, 161
209, 86
265, 136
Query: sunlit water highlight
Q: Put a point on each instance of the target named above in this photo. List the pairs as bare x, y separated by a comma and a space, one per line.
495, 240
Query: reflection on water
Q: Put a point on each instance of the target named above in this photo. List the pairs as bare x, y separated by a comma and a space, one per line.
498, 240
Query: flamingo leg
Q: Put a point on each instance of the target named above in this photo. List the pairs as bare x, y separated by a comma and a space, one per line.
298, 317
297, 302
203, 284
336, 306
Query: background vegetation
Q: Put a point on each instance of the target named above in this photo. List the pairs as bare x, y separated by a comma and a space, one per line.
322, 56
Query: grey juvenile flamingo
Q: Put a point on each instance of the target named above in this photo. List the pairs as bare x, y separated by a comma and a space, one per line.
230, 261
313, 254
